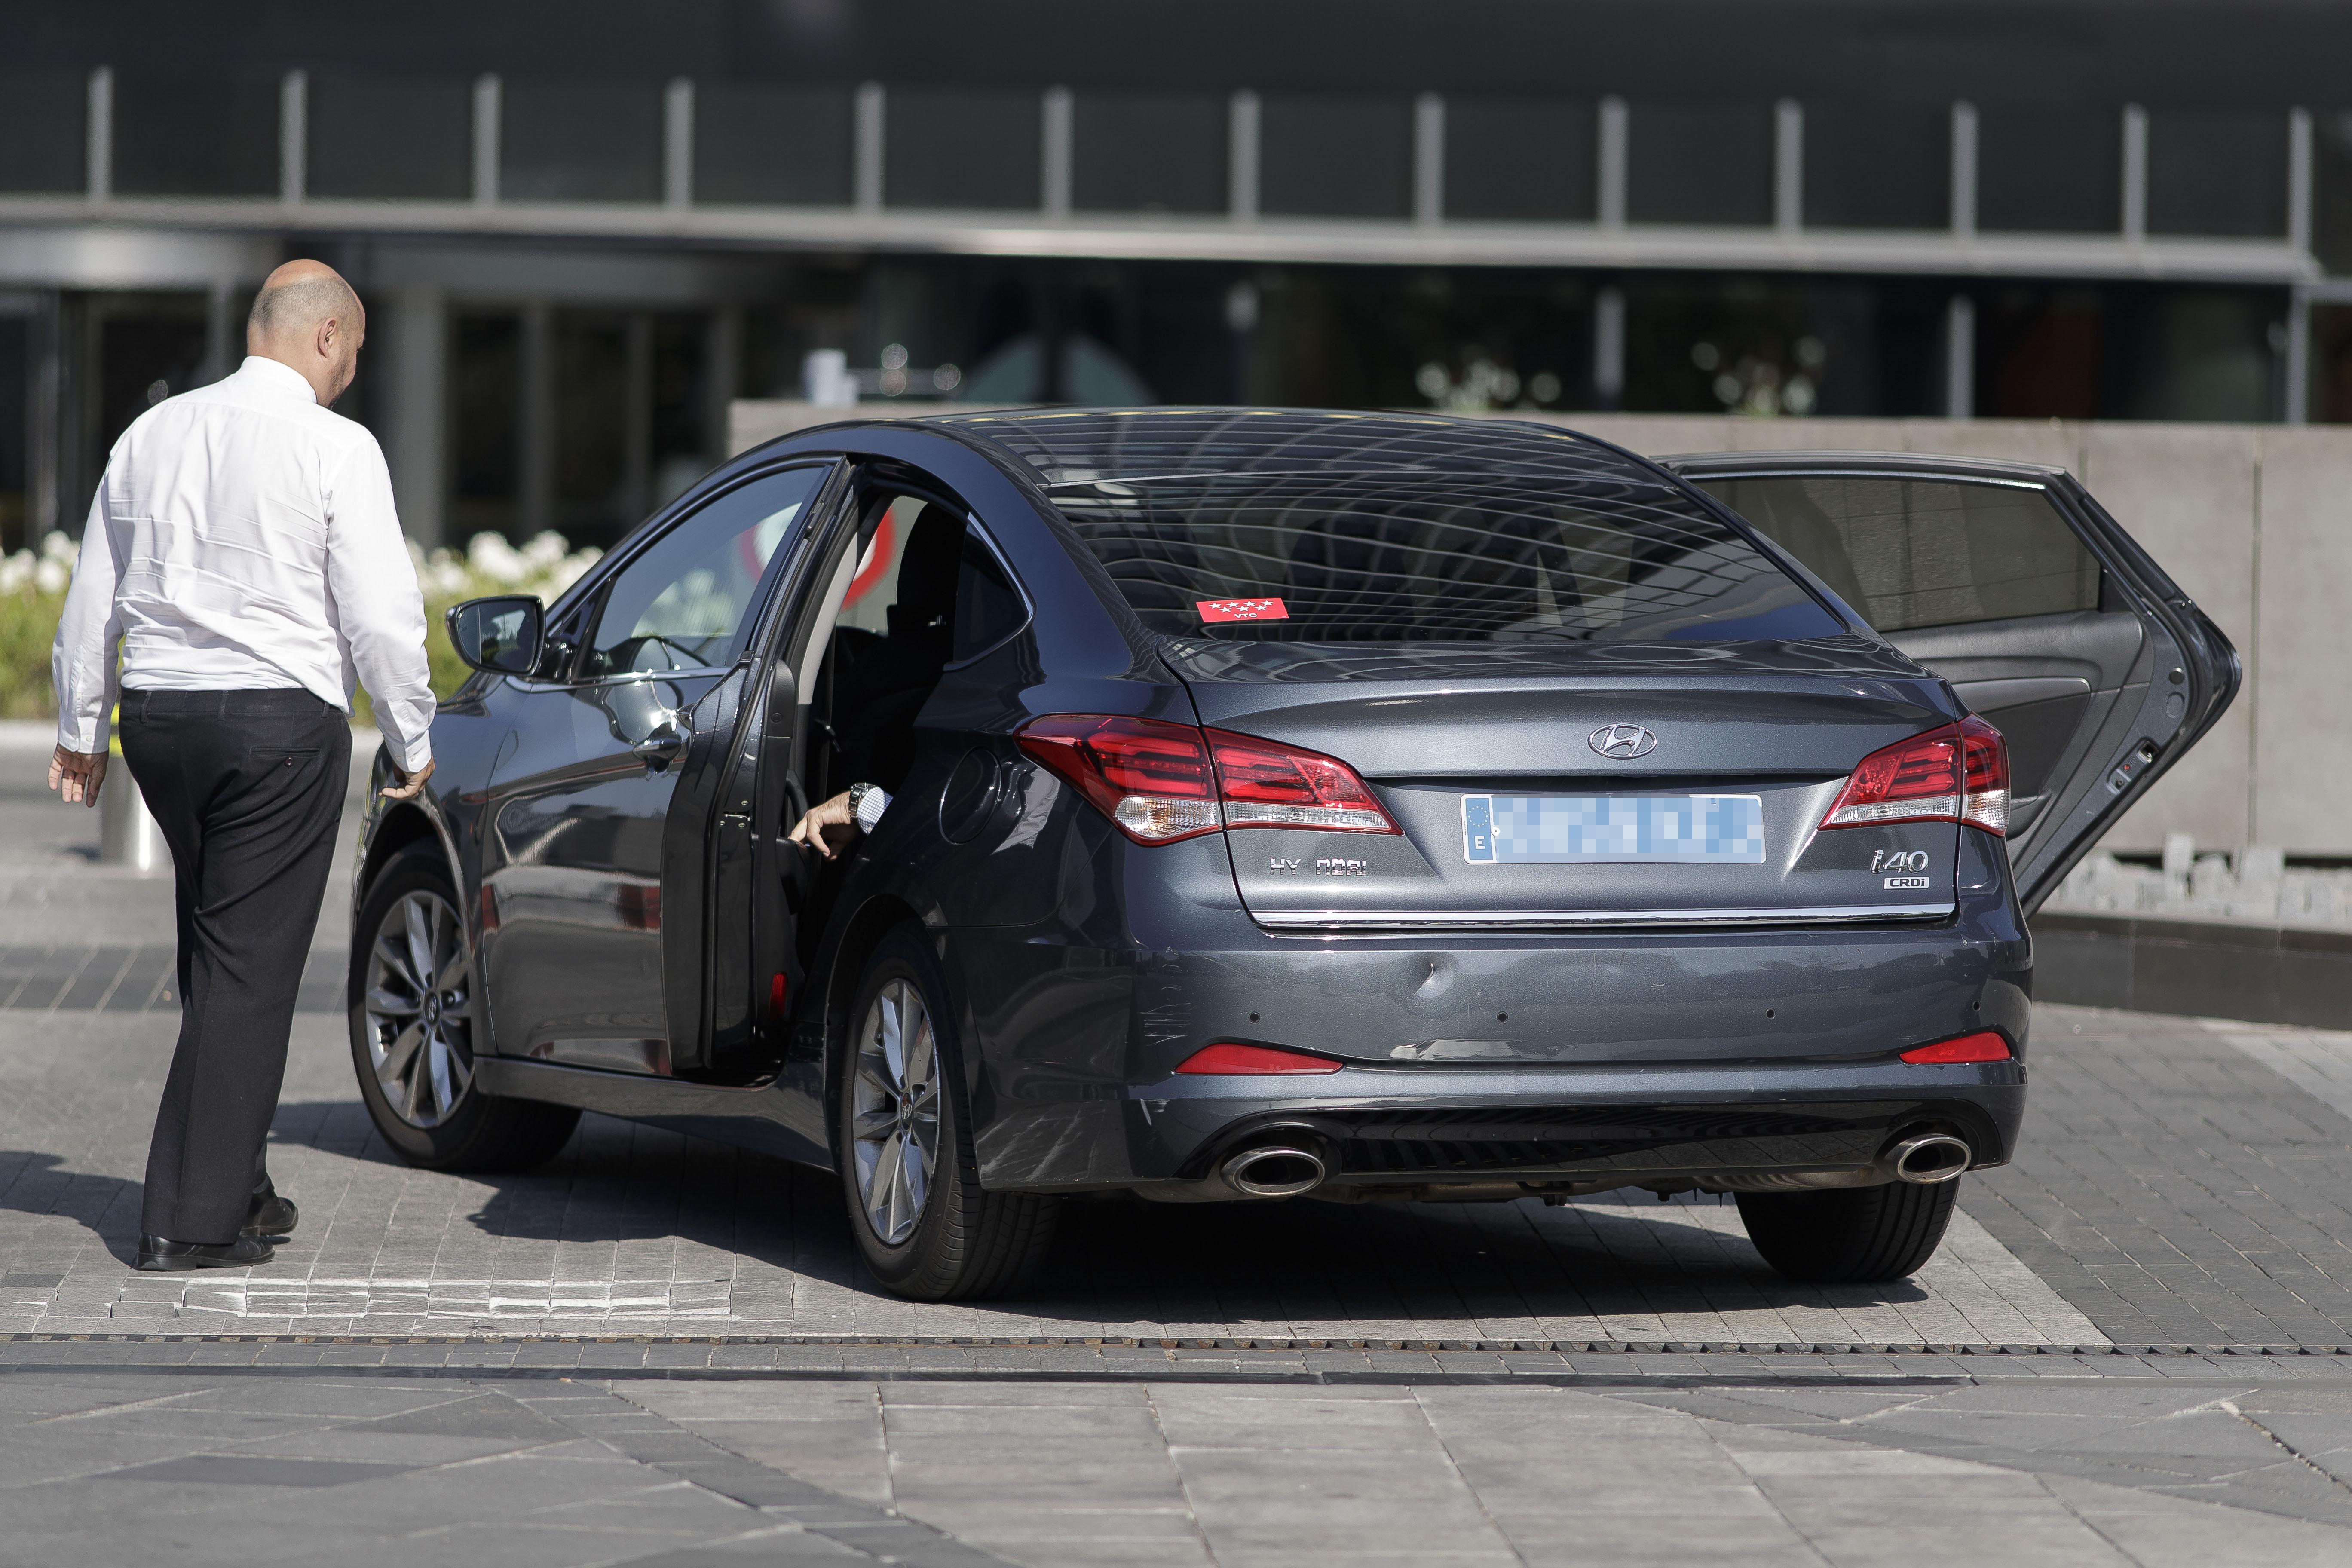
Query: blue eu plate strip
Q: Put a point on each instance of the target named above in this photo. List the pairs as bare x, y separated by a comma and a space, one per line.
1518, 829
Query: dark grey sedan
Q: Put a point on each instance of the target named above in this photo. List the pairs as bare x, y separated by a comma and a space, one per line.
1363, 807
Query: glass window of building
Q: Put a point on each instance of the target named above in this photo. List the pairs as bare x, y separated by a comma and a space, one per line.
2331, 197
2050, 170
1700, 162
180, 135
1871, 165
951, 148
42, 136
16, 383
390, 138
783, 146
1527, 160
1144, 153
1335, 157
580, 142
2217, 171
485, 423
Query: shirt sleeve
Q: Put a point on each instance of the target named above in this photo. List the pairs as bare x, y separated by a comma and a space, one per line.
379, 609
82, 666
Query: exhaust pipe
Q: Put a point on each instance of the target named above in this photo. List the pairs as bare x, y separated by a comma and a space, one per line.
1274, 1170
1929, 1158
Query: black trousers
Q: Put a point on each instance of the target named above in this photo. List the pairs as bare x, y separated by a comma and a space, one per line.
248, 787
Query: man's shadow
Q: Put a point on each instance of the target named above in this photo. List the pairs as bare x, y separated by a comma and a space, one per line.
34, 1182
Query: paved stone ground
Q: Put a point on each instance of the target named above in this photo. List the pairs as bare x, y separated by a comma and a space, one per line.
101, 1465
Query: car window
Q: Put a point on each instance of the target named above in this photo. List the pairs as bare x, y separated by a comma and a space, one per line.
1907, 553
1410, 555
988, 608
681, 603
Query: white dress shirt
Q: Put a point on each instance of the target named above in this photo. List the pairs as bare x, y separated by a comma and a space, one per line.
244, 537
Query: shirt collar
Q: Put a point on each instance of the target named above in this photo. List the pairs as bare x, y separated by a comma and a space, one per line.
284, 377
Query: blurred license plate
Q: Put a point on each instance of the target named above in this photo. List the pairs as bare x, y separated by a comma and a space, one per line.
1515, 829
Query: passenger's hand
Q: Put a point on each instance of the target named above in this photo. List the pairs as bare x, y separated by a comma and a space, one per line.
407, 785
828, 826
76, 776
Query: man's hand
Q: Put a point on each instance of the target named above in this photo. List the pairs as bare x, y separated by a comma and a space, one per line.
407, 785
76, 776
828, 826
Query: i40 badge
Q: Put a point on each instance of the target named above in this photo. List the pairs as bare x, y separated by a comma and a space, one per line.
1908, 862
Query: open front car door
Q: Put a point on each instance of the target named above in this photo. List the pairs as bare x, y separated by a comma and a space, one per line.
2011, 583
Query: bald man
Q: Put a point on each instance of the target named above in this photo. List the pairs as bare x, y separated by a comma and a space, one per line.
242, 552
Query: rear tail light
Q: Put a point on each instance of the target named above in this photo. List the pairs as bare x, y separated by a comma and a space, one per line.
1266, 783
1149, 776
1162, 781
1986, 1047
1958, 772
1229, 1058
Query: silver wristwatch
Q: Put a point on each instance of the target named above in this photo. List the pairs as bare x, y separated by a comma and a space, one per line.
867, 804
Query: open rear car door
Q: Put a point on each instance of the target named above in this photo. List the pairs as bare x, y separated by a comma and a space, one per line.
2010, 581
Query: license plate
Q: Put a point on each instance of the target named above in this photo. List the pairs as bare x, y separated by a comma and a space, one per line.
1519, 829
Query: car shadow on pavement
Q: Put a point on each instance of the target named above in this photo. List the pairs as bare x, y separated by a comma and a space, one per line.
1122, 1259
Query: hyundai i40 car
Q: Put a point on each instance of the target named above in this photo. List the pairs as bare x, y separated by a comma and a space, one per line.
1280, 805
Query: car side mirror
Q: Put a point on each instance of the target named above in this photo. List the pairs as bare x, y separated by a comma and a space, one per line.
501, 635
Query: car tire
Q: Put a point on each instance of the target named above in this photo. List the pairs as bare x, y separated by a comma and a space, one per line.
423, 1099
1850, 1236
924, 1225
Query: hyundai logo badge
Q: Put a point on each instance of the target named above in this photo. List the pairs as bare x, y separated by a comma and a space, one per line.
1622, 742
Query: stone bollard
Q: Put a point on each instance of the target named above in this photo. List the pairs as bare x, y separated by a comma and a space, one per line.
127, 833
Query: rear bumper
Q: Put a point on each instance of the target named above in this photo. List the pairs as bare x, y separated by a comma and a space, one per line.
1620, 1058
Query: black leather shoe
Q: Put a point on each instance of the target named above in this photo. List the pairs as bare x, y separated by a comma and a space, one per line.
159, 1255
272, 1216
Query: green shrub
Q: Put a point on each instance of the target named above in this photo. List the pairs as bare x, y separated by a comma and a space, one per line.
33, 593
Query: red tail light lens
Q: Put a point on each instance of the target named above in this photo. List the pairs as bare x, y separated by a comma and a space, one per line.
1227, 1058
1149, 776
1958, 772
1163, 781
1986, 1047
1266, 783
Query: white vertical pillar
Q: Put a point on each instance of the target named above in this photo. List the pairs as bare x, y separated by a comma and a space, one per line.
722, 362
220, 324
2298, 179
44, 432
2295, 406
417, 421
637, 416
1429, 159
536, 504
1242, 157
1961, 358
1789, 167
866, 159
99, 134
677, 144
1964, 170
293, 137
1054, 146
1609, 347
488, 113
1616, 156
2135, 172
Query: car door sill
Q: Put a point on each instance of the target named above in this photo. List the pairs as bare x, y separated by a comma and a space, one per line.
1573, 920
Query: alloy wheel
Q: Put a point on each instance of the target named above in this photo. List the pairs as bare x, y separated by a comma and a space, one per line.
418, 1010
895, 1111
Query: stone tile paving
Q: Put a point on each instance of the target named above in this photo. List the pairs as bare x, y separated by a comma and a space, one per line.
2183, 1181
644, 1232
102, 1466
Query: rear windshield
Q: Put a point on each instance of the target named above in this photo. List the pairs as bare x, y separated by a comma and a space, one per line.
1427, 557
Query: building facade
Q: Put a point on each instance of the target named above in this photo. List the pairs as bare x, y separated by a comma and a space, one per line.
583, 227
